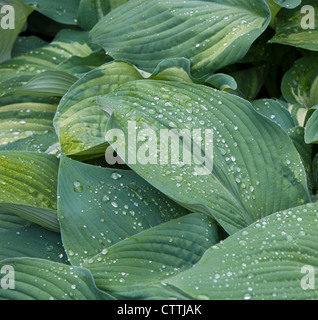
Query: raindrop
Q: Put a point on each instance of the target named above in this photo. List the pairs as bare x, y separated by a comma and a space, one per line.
247, 296
71, 253
116, 176
77, 186
115, 204
105, 199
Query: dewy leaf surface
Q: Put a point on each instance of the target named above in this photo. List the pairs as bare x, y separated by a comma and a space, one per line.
32, 241
13, 17
79, 122
289, 4
47, 84
298, 27
211, 34
268, 260
10, 221
133, 268
91, 11
24, 44
18, 71
99, 207
311, 130
275, 111
29, 185
300, 83
256, 169
23, 117
58, 10
38, 279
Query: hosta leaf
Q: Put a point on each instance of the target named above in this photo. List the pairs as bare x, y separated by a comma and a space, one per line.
72, 36
315, 173
22, 117
297, 134
58, 10
79, 66
222, 81
25, 44
12, 22
263, 261
38, 279
131, 268
300, 83
42, 216
275, 111
98, 207
79, 122
10, 221
309, 113
18, 71
249, 81
173, 69
28, 186
211, 34
32, 241
278, 113
311, 130
42, 26
256, 169
298, 112
289, 4
37, 142
274, 8
91, 11
47, 84
260, 51
297, 28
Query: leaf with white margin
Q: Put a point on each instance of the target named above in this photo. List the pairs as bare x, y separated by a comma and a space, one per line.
19, 70
47, 84
79, 122
211, 34
29, 185
292, 26
24, 117
24, 44
300, 83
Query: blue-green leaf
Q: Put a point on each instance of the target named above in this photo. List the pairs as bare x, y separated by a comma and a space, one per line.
211, 34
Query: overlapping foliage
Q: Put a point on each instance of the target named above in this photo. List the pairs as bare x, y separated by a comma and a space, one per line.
74, 226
